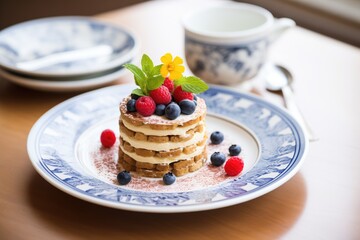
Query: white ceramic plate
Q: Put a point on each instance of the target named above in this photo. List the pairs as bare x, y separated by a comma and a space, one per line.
71, 84
65, 46
64, 148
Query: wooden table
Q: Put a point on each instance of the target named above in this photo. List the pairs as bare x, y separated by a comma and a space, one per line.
322, 201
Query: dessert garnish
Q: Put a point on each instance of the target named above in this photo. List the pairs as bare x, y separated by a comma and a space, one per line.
145, 105
130, 105
169, 178
160, 109
172, 111
159, 84
234, 166
161, 95
187, 107
107, 138
216, 137
234, 150
217, 159
124, 177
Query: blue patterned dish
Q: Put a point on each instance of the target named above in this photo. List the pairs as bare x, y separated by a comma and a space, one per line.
65, 46
58, 146
70, 85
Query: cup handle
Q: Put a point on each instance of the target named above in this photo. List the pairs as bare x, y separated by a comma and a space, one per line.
280, 26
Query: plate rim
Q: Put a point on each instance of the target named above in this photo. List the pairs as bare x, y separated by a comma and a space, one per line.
167, 209
63, 86
112, 64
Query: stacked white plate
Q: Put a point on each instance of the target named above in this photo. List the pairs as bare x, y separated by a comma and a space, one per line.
65, 53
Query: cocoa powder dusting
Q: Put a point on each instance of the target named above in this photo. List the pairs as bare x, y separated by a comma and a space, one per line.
105, 160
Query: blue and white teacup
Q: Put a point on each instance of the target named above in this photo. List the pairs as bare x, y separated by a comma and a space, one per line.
227, 43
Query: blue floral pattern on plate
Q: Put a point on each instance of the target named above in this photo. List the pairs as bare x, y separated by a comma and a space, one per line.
52, 139
107, 46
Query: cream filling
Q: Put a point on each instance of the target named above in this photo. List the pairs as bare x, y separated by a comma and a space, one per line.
145, 129
166, 146
156, 160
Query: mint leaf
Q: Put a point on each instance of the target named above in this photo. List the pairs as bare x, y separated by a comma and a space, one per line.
156, 70
154, 82
138, 92
180, 81
141, 84
147, 65
192, 84
138, 73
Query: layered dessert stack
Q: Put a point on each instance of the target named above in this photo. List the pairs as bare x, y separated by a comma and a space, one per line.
162, 127
153, 146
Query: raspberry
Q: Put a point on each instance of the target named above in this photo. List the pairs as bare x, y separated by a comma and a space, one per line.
145, 106
234, 166
107, 138
180, 95
161, 95
169, 84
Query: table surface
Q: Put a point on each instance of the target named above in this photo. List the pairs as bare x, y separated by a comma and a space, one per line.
322, 201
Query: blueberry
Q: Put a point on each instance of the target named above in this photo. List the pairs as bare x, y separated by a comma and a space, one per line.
169, 178
195, 98
234, 150
195, 103
187, 106
216, 137
172, 111
130, 105
134, 96
217, 159
124, 177
160, 109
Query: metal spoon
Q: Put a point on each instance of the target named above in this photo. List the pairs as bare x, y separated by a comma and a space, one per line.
279, 78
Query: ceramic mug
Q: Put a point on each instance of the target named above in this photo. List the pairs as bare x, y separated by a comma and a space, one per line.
227, 43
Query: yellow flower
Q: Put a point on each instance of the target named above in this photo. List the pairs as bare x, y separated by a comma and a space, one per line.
171, 66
